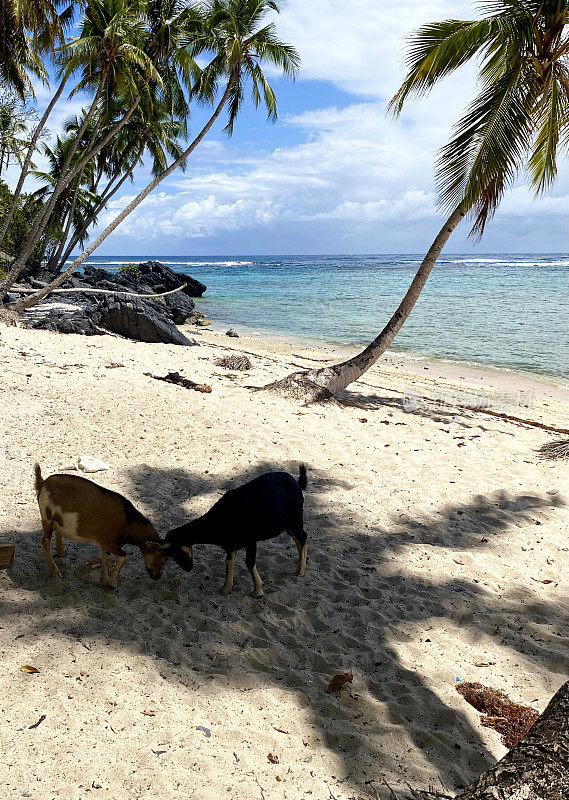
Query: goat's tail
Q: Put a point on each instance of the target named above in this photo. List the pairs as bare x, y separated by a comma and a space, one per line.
302, 477
38, 478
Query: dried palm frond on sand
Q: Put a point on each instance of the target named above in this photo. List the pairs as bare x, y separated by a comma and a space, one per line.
555, 450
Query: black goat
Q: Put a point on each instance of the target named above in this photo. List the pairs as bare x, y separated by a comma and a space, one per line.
260, 509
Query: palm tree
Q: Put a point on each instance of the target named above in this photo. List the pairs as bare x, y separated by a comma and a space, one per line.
160, 135
19, 54
516, 122
231, 30
73, 204
110, 58
29, 28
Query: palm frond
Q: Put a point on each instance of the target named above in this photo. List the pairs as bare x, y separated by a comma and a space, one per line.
437, 49
483, 157
552, 124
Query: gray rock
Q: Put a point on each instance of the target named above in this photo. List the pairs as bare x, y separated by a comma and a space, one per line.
232, 333
67, 317
150, 276
144, 319
137, 320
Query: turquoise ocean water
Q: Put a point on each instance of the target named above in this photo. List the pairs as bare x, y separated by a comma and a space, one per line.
508, 311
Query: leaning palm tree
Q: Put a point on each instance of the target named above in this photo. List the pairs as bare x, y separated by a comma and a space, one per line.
231, 31
155, 132
517, 122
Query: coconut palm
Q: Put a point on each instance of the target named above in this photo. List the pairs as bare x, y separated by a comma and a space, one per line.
72, 207
108, 54
160, 135
23, 25
29, 28
516, 123
124, 48
232, 31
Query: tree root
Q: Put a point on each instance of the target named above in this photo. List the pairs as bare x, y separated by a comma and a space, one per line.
9, 317
298, 386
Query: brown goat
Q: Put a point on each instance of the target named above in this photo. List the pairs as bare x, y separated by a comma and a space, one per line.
79, 509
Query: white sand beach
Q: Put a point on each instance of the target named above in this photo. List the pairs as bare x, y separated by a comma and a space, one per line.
437, 541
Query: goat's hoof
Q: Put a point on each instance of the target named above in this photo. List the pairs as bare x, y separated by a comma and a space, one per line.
256, 595
108, 586
224, 591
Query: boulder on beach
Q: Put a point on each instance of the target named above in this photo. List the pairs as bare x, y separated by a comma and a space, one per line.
135, 319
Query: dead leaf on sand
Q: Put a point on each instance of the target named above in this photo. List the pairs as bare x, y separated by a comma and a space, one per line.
273, 758
30, 670
339, 679
149, 713
280, 730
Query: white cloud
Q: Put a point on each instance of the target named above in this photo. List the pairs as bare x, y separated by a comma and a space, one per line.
354, 179
355, 175
359, 45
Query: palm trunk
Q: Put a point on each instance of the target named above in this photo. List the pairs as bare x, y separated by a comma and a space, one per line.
57, 255
29, 155
62, 182
42, 222
20, 305
93, 151
337, 377
106, 196
42, 217
538, 766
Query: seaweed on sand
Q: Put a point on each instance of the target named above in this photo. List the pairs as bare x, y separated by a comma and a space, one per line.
510, 720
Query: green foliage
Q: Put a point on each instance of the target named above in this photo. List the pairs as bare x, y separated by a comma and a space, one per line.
520, 116
20, 224
131, 268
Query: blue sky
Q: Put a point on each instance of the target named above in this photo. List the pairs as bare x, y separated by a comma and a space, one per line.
334, 174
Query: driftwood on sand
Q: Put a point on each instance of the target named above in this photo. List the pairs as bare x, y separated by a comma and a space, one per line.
178, 380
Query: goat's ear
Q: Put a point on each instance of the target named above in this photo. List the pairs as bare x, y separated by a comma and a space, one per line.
163, 546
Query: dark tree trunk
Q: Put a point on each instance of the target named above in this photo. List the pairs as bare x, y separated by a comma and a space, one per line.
537, 768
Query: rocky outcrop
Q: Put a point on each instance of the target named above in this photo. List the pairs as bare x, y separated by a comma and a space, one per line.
151, 319
148, 277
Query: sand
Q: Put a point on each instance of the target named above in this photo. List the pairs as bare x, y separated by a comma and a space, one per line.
437, 541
